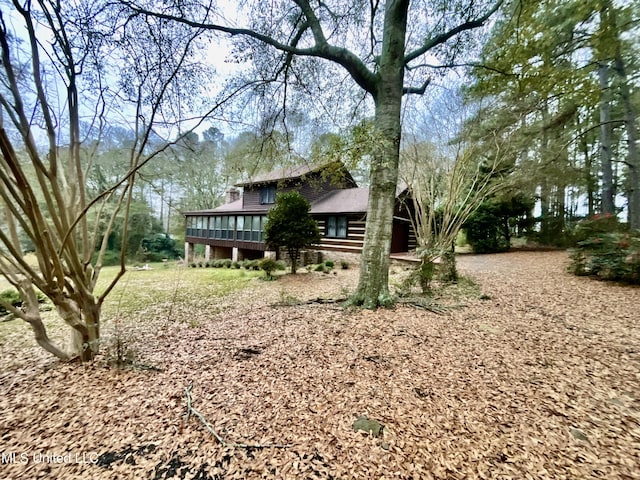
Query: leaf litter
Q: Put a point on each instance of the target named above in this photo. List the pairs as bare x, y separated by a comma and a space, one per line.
536, 376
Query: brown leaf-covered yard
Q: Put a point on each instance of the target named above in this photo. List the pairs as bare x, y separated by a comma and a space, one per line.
534, 374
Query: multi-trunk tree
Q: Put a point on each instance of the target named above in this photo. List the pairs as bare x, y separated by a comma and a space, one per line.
448, 182
387, 48
56, 81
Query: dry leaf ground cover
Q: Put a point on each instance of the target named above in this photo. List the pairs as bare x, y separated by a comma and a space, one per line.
533, 374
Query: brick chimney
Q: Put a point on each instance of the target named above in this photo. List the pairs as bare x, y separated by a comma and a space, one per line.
231, 195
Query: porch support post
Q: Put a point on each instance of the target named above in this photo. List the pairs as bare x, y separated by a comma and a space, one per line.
207, 252
188, 252
234, 254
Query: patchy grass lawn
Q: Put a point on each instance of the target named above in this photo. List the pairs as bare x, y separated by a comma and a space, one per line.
160, 293
529, 373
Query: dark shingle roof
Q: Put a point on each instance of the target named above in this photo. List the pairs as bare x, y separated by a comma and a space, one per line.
349, 200
287, 173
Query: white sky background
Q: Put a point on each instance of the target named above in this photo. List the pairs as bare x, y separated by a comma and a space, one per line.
219, 53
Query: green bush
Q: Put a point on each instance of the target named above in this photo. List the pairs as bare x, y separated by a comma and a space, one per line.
485, 231
236, 265
12, 297
193, 265
344, 264
155, 257
156, 246
596, 225
329, 264
491, 226
251, 265
217, 263
291, 226
320, 267
269, 265
110, 258
227, 263
609, 256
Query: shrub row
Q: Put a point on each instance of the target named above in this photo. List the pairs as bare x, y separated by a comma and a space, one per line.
228, 263
328, 265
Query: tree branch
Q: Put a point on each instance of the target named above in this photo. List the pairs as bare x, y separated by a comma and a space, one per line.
444, 37
221, 440
364, 77
457, 65
417, 90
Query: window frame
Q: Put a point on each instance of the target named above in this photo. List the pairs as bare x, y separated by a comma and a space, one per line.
336, 226
267, 195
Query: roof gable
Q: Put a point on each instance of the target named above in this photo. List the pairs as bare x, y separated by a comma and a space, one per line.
289, 174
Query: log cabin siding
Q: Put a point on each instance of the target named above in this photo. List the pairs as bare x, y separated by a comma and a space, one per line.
351, 243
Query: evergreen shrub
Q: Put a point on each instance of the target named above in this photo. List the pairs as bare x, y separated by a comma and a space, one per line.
607, 255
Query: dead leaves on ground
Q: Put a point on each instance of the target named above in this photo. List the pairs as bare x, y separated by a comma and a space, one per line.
540, 379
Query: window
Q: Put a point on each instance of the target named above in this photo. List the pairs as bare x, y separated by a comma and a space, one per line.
222, 227
246, 230
251, 228
240, 225
225, 227
200, 227
218, 227
232, 227
212, 232
268, 195
255, 228
336, 226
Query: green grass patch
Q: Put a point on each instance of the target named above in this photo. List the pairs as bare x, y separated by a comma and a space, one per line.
163, 283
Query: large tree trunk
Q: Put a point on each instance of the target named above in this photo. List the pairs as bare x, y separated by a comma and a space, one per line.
590, 180
373, 285
633, 158
608, 205
608, 17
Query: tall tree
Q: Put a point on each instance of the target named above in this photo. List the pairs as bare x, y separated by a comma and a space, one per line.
556, 89
379, 49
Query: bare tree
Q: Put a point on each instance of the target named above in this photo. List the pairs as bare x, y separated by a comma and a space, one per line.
447, 183
55, 73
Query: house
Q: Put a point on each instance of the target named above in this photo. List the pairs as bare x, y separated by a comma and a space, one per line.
236, 229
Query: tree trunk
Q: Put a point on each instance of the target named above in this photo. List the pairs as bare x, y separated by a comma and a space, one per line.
608, 16
633, 158
294, 255
590, 180
373, 284
42, 339
608, 205
545, 213
448, 270
85, 324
